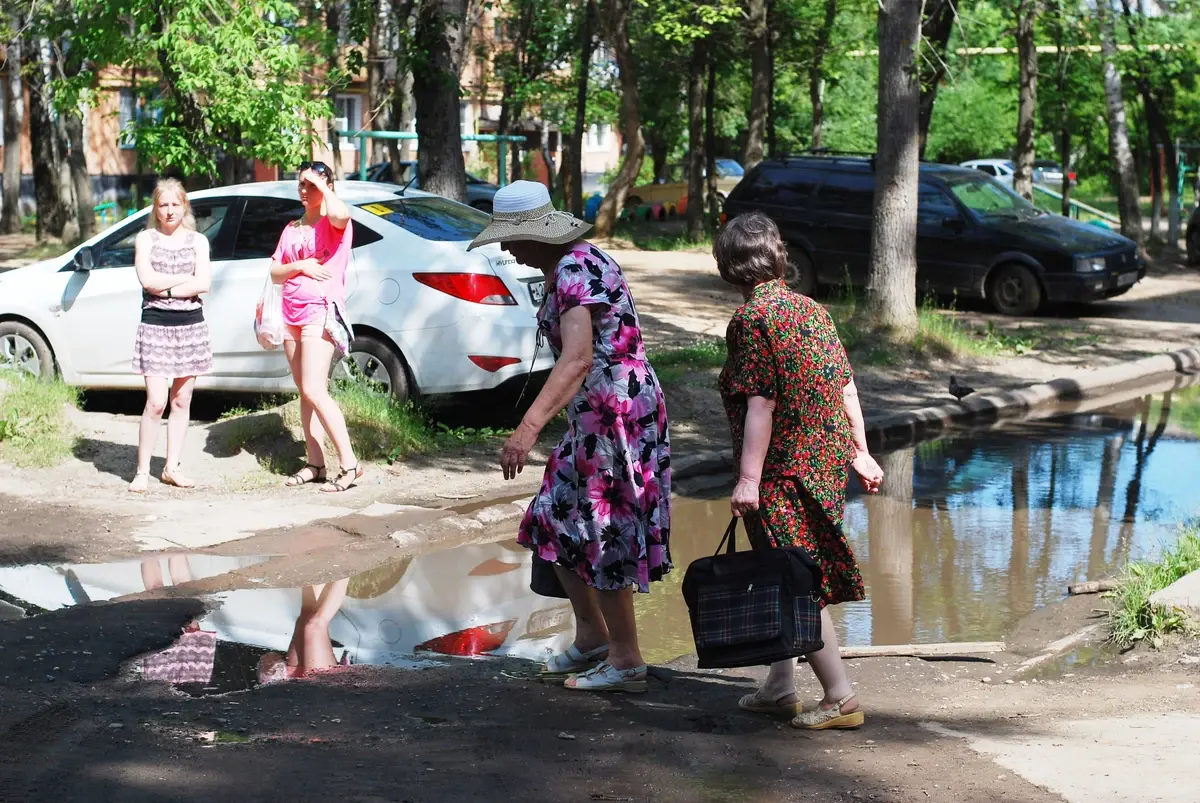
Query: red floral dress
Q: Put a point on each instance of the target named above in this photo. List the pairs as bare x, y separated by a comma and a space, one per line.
783, 346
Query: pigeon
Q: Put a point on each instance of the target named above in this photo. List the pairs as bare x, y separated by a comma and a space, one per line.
958, 390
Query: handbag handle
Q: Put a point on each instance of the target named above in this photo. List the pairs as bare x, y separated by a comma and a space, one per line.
754, 531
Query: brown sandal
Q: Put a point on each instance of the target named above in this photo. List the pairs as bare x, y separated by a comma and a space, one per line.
345, 480
298, 479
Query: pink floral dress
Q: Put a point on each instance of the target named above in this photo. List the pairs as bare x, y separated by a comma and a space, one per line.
604, 509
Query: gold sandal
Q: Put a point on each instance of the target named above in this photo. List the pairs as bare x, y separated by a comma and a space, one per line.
756, 704
820, 719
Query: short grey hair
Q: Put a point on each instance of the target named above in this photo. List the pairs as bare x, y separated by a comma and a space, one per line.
750, 251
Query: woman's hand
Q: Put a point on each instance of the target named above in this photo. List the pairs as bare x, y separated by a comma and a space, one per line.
313, 178
745, 497
516, 449
868, 471
313, 269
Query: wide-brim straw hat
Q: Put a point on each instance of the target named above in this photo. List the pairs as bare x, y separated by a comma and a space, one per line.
523, 211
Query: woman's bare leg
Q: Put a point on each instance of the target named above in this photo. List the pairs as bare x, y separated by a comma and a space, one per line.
318, 647
617, 607
316, 357
314, 433
829, 668
177, 424
590, 629
157, 393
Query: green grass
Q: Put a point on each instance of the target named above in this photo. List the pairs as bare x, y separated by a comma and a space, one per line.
46, 250
662, 236
1185, 409
1133, 618
34, 430
672, 365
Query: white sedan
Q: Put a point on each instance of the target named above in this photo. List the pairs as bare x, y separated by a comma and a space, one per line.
429, 317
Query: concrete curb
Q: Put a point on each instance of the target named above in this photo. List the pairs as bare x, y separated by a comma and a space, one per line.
915, 425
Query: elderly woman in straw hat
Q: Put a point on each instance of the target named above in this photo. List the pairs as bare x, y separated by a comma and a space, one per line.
603, 513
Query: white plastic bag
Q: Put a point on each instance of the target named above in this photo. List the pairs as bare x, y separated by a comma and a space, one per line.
268, 317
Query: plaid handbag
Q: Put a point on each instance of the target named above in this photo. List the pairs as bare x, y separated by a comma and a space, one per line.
753, 608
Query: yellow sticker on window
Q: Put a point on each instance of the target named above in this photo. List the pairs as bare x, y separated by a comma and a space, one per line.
377, 209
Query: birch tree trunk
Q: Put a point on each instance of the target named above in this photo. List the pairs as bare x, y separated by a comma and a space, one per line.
1118, 132
759, 35
573, 153
53, 206
712, 201
816, 73
1027, 63
631, 122
695, 192
892, 288
14, 120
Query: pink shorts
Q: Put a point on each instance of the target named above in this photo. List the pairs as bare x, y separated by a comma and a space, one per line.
309, 331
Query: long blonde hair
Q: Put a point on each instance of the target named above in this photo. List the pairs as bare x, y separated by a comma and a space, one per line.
170, 185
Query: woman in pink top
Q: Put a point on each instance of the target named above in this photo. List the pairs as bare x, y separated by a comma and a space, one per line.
310, 261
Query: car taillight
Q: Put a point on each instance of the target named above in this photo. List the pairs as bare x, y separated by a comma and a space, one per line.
472, 641
1071, 175
478, 288
492, 364
724, 218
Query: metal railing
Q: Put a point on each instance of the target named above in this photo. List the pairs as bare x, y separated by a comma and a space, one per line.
1078, 207
362, 137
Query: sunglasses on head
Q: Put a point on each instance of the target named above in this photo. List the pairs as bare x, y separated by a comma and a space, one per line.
320, 168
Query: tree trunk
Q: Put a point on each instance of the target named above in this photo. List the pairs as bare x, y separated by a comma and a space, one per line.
405, 105
1064, 108
695, 192
892, 289
14, 118
760, 81
53, 210
1027, 63
712, 201
631, 123
935, 29
1156, 188
378, 90
816, 73
333, 18
890, 542
1118, 133
573, 154
772, 134
85, 215
435, 92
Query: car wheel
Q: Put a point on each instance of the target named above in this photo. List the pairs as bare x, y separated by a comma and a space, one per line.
22, 349
1015, 291
800, 274
375, 365
483, 206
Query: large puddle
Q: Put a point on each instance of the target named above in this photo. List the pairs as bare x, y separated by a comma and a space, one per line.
977, 530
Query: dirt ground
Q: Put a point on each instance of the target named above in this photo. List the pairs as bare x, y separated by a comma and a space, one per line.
75, 726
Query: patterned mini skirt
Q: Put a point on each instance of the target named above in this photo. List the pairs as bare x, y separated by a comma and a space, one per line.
172, 344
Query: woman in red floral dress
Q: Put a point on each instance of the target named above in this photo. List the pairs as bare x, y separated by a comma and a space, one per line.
793, 409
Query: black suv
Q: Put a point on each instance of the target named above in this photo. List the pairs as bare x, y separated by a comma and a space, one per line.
975, 238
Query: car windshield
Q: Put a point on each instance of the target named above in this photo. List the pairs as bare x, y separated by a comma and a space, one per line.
729, 169
431, 218
988, 199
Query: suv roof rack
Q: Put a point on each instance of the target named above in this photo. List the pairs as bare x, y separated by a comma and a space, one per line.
849, 157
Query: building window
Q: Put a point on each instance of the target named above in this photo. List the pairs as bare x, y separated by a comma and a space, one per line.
598, 137
127, 114
348, 113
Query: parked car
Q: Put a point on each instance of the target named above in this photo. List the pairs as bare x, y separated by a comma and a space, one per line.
1046, 172
975, 238
672, 190
430, 318
1049, 173
479, 192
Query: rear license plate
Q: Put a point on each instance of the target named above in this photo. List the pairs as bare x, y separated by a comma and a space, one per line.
537, 293
1126, 278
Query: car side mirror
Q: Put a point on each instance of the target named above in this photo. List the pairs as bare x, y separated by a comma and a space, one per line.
83, 259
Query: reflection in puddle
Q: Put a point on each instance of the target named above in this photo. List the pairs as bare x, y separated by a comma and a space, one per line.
976, 530
973, 532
